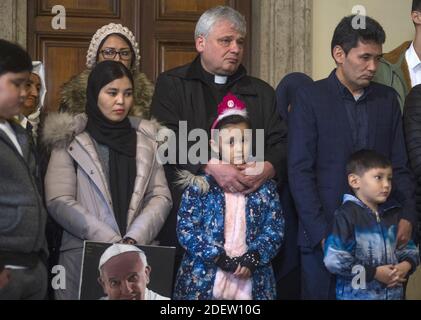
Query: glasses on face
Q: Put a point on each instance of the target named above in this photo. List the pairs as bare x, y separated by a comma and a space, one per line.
110, 54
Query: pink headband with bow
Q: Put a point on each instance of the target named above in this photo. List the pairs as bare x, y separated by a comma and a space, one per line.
230, 106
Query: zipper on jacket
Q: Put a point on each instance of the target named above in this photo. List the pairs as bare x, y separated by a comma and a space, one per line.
377, 217
378, 220
105, 183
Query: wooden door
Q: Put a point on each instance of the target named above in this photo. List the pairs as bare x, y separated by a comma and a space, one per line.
164, 29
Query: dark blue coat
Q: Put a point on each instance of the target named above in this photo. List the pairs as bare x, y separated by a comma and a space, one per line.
320, 143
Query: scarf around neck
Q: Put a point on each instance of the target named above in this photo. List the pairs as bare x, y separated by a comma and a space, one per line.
121, 140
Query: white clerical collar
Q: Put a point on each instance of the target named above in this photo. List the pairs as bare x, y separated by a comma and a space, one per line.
412, 58
221, 79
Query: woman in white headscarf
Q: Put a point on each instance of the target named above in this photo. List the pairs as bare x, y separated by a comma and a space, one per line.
34, 103
110, 42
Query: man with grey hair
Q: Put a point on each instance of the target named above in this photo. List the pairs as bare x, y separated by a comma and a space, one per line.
191, 93
125, 274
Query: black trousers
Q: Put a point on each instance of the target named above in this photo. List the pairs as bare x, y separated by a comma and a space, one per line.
288, 287
316, 281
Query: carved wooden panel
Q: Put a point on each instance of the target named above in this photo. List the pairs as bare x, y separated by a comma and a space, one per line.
173, 54
186, 9
82, 8
65, 59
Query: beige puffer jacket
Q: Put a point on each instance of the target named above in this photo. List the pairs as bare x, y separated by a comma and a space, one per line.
77, 192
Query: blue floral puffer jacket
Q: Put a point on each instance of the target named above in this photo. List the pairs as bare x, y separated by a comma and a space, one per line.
200, 231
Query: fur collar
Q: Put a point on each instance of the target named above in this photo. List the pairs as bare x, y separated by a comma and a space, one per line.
60, 129
187, 179
73, 94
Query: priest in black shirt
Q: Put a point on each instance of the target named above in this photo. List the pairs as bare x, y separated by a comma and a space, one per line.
191, 93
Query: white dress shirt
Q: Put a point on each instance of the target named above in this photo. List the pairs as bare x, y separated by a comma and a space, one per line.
7, 128
414, 65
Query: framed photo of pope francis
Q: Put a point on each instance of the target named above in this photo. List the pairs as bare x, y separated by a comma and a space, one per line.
126, 272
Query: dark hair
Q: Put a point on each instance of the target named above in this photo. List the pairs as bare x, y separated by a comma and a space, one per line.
230, 120
416, 5
109, 71
286, 92
348, 37
13, 58
122, 37
362, 161
104, 73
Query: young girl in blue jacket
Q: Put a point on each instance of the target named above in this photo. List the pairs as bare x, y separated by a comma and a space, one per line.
230, 238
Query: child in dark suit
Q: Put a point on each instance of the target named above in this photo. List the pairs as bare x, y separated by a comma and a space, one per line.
23, 252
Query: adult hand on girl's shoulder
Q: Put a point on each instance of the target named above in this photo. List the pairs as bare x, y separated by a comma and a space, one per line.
228, 177
256, 174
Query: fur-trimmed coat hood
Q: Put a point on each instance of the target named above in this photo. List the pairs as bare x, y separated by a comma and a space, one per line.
73, 94
187, 179
60, 129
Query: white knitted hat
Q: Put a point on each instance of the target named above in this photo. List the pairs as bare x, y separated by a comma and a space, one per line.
104, 32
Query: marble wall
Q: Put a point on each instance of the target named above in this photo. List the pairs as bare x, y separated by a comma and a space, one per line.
13, 16
282, 38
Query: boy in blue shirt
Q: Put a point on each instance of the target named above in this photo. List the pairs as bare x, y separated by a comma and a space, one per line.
362, 247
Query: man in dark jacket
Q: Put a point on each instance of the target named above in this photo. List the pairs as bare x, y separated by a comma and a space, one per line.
192, 93
401, 68
332, 119
23, 250
287, 263
412, 125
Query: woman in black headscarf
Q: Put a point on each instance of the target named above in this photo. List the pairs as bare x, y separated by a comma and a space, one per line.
103, 181
412, 125
113, 133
